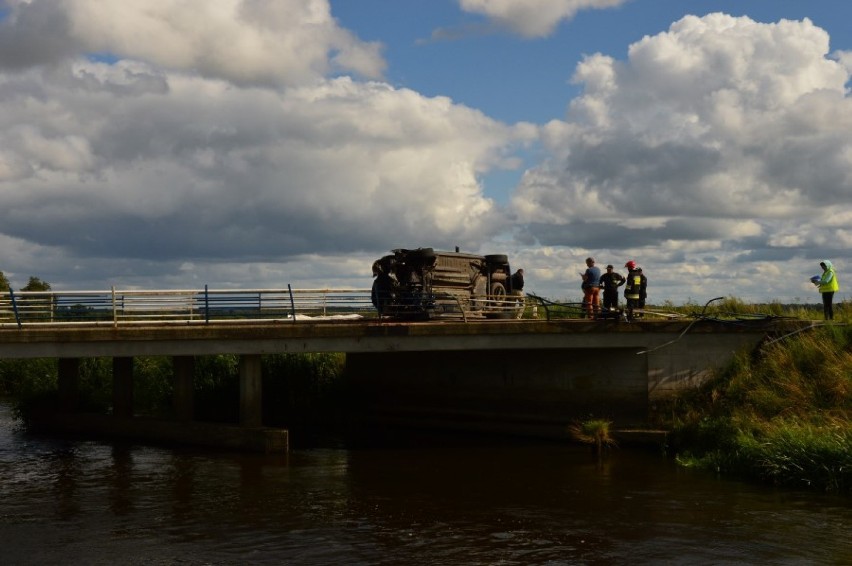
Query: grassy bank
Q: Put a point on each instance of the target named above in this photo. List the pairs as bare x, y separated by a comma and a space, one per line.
782, 414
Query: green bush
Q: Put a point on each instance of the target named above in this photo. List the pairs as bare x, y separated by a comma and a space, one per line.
297, 387
217, 388
301, 388
26, 377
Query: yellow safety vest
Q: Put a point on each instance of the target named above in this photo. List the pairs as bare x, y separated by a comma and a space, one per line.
829, 286
634, 287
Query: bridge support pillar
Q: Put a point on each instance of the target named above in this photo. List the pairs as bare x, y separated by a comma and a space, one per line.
184, 369
251, 407
122, 387
69, 384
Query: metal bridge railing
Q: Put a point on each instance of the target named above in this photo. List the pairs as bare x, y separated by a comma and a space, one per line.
122, 307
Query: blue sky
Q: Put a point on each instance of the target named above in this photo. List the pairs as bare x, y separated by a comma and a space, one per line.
274, 142
513, 78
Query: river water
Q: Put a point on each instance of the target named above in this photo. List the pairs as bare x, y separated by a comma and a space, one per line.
415, 499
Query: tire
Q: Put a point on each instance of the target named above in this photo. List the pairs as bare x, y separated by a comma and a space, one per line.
499, 300
498, 290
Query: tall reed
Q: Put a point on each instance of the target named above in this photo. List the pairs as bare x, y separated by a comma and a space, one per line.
782, 414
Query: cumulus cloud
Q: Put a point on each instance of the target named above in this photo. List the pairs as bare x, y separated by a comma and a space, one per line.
242, 142
217, 133
200, 169
724, 131
533, 18
276, 42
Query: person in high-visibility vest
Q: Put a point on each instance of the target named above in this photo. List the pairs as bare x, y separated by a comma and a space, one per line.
828, 285
634, 288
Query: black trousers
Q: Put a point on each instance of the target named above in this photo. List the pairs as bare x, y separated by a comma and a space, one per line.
828, 305
632, 304
610, 300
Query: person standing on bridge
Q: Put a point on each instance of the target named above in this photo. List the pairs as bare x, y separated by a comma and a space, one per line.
634, 288
516, 282
610, 282
643, 290
592, 288
828, 285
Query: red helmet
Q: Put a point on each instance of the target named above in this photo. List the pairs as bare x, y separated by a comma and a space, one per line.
630, 264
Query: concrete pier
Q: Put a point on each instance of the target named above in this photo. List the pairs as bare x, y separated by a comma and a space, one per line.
251, 407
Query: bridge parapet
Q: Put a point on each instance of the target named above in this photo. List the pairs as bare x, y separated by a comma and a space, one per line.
124, 307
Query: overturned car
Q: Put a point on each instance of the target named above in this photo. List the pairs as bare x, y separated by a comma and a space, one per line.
424, 283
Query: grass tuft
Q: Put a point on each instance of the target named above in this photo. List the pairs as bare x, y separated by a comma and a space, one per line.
595, 432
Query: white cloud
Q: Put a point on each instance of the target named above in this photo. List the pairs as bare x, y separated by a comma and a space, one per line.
200, 169
533, 18
220, 132
273, 42
720, 129
227, 150
719, 136
845, 59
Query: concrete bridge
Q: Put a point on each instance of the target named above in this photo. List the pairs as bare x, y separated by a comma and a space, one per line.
525, 376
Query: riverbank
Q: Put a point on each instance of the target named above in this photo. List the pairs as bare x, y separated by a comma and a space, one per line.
782, 414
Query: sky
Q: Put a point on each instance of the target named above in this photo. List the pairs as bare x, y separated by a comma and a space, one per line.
154, 144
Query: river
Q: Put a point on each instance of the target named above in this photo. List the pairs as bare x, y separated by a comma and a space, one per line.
411, 499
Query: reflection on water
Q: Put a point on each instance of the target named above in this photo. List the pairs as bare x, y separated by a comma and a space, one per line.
438, 499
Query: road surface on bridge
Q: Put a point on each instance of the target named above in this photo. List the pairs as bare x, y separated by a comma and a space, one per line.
369, 335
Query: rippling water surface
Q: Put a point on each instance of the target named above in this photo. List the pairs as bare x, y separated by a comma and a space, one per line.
432, 500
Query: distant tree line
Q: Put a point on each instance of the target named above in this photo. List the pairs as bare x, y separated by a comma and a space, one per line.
34, 284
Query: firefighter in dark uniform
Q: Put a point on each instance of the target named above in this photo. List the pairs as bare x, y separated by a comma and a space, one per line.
634, 289
610, 282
